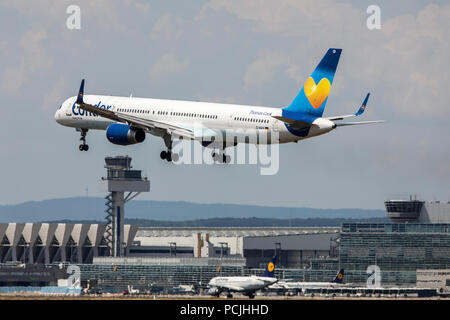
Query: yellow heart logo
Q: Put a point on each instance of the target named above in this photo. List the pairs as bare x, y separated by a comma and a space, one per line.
317, 94
270, 267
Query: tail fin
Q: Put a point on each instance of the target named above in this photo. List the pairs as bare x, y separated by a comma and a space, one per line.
339, 277
270, 269
313, 95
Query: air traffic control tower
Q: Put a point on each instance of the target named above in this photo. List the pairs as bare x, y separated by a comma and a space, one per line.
120, 179
417, 211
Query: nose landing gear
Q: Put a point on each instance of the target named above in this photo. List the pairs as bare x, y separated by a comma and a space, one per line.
83, 146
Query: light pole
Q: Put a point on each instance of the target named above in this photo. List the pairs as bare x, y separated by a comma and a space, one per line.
278, 253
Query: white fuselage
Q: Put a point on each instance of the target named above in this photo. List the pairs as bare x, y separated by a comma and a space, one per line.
250, 122
250, 283
305, 285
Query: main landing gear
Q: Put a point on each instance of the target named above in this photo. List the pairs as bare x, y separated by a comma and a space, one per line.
168, 155
220, 157
83, 146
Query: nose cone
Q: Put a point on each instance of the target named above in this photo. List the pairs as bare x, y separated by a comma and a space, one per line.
58, 117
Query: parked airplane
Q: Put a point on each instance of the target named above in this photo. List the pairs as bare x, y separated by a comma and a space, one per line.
245, 285
217, 126
287, 285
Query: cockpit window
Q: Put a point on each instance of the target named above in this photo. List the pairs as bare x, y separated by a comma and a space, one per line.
60, 107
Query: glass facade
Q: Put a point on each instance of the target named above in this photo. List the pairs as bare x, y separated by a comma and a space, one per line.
397, 249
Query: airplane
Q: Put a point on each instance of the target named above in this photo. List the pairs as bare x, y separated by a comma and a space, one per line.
246, 285
215, 125
287, 285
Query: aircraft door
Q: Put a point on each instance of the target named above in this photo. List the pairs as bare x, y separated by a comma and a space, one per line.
275, 125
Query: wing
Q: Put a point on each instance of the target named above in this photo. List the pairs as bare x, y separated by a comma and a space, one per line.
360, 111
145, 124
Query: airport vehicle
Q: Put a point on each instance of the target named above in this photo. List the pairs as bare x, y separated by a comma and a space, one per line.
215, 125
245, 285
303, 286
130, 290
183, 289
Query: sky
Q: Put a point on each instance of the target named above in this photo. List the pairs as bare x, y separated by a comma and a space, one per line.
231, 51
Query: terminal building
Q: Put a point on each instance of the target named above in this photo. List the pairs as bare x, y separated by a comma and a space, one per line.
295, 247
195, 255
414, 249
398, 249
47, 243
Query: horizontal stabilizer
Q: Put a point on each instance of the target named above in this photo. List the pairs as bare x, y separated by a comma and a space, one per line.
357, 123
294, 123
296, 120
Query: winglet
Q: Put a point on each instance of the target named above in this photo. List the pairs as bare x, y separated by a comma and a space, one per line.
80, 93
363, 106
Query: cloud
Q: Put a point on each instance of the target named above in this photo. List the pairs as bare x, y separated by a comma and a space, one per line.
167, 27
104, 14
268, 47
55, 96
166, 66
263, 68
34, 58
290, 17
143, 7
408, 57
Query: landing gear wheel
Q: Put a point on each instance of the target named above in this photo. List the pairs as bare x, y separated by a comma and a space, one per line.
229, 296
221, 157
175, 157
226, 159
83, 147
168, 155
